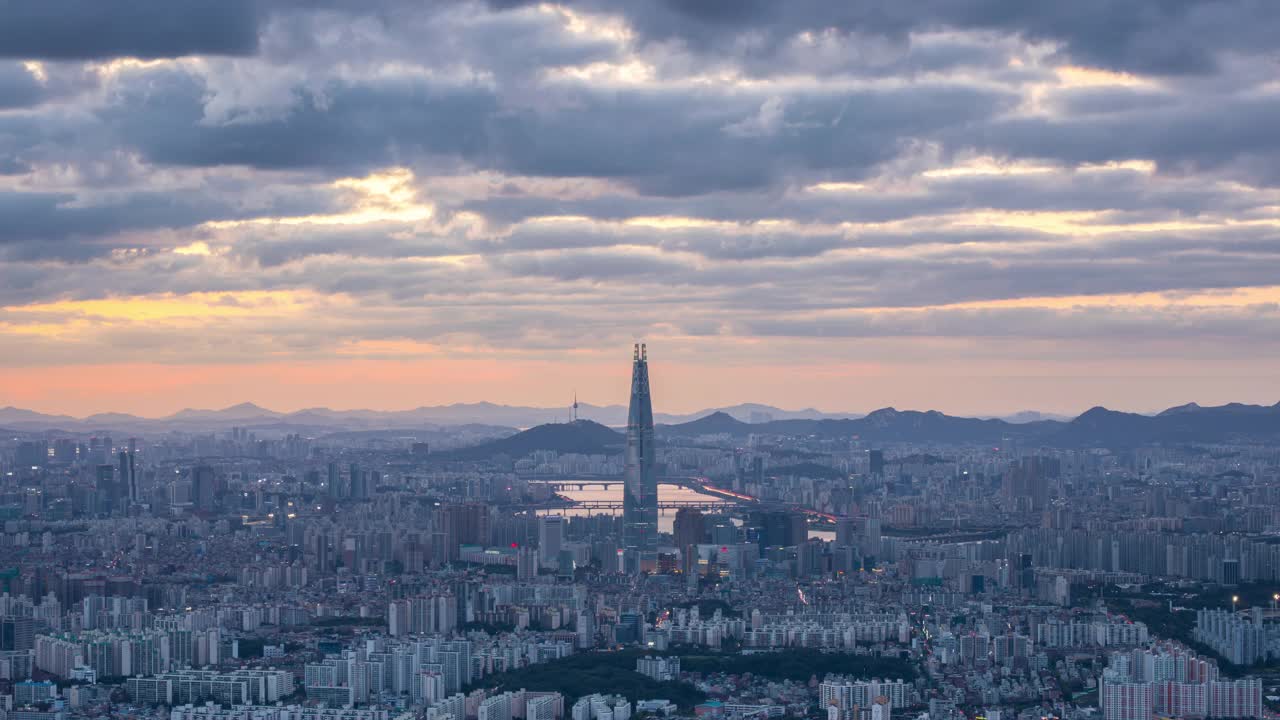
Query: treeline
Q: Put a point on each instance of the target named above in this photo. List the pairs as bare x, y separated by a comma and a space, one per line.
1181, 627
708, 607
348, 621
801, 664
587, 673
614, 671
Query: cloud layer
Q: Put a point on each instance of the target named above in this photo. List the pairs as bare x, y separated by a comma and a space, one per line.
987, 188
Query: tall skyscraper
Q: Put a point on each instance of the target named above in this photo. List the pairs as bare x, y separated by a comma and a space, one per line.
875, 463
463, 524
333, 488
126, 491
640, 499
690, 530
526, 563
133, 472
779, 528
1029, 478
17, 633
550, 538
846, 532
359, 488
203, 491
106, 482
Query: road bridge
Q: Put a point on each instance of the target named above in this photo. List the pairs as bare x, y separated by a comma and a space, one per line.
616, 505
570, 483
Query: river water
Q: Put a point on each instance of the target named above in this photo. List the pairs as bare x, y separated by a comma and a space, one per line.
666, 493
613, 493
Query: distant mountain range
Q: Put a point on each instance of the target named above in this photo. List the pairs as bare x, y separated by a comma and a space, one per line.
886, 425
1097, 427
482, 413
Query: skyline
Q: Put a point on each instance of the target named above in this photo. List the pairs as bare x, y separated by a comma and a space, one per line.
974, 207
315, 317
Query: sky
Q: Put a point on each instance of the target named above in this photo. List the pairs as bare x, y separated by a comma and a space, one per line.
975, 206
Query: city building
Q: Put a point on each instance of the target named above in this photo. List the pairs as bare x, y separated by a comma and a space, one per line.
640, 491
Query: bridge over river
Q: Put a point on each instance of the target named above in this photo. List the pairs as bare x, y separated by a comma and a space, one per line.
583, 483
604, 494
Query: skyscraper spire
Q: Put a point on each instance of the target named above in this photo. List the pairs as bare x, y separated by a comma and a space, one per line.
640, 480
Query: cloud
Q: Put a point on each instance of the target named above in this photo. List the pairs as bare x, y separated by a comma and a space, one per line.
87, 29
872, 180
71, 227
19, 87
345, 128
1148, 36
1231, 135
767, 121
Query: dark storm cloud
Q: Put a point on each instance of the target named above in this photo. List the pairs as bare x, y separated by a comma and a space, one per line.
1147, 36
98, 29
63, 226
47, 216
840, 136
347, 129
1234, 134
510, 45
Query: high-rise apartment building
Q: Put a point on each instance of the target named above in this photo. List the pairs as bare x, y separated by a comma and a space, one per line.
463, 524
689, 531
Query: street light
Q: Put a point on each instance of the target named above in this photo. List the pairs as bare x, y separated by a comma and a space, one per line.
1275, 599
1234, 599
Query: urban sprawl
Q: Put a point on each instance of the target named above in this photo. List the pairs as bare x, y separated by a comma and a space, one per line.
237, 565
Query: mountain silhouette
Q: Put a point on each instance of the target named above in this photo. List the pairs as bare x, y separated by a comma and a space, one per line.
1096, 427
583, 436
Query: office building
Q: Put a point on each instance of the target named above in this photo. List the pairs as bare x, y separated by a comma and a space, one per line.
640, 486
550, 539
